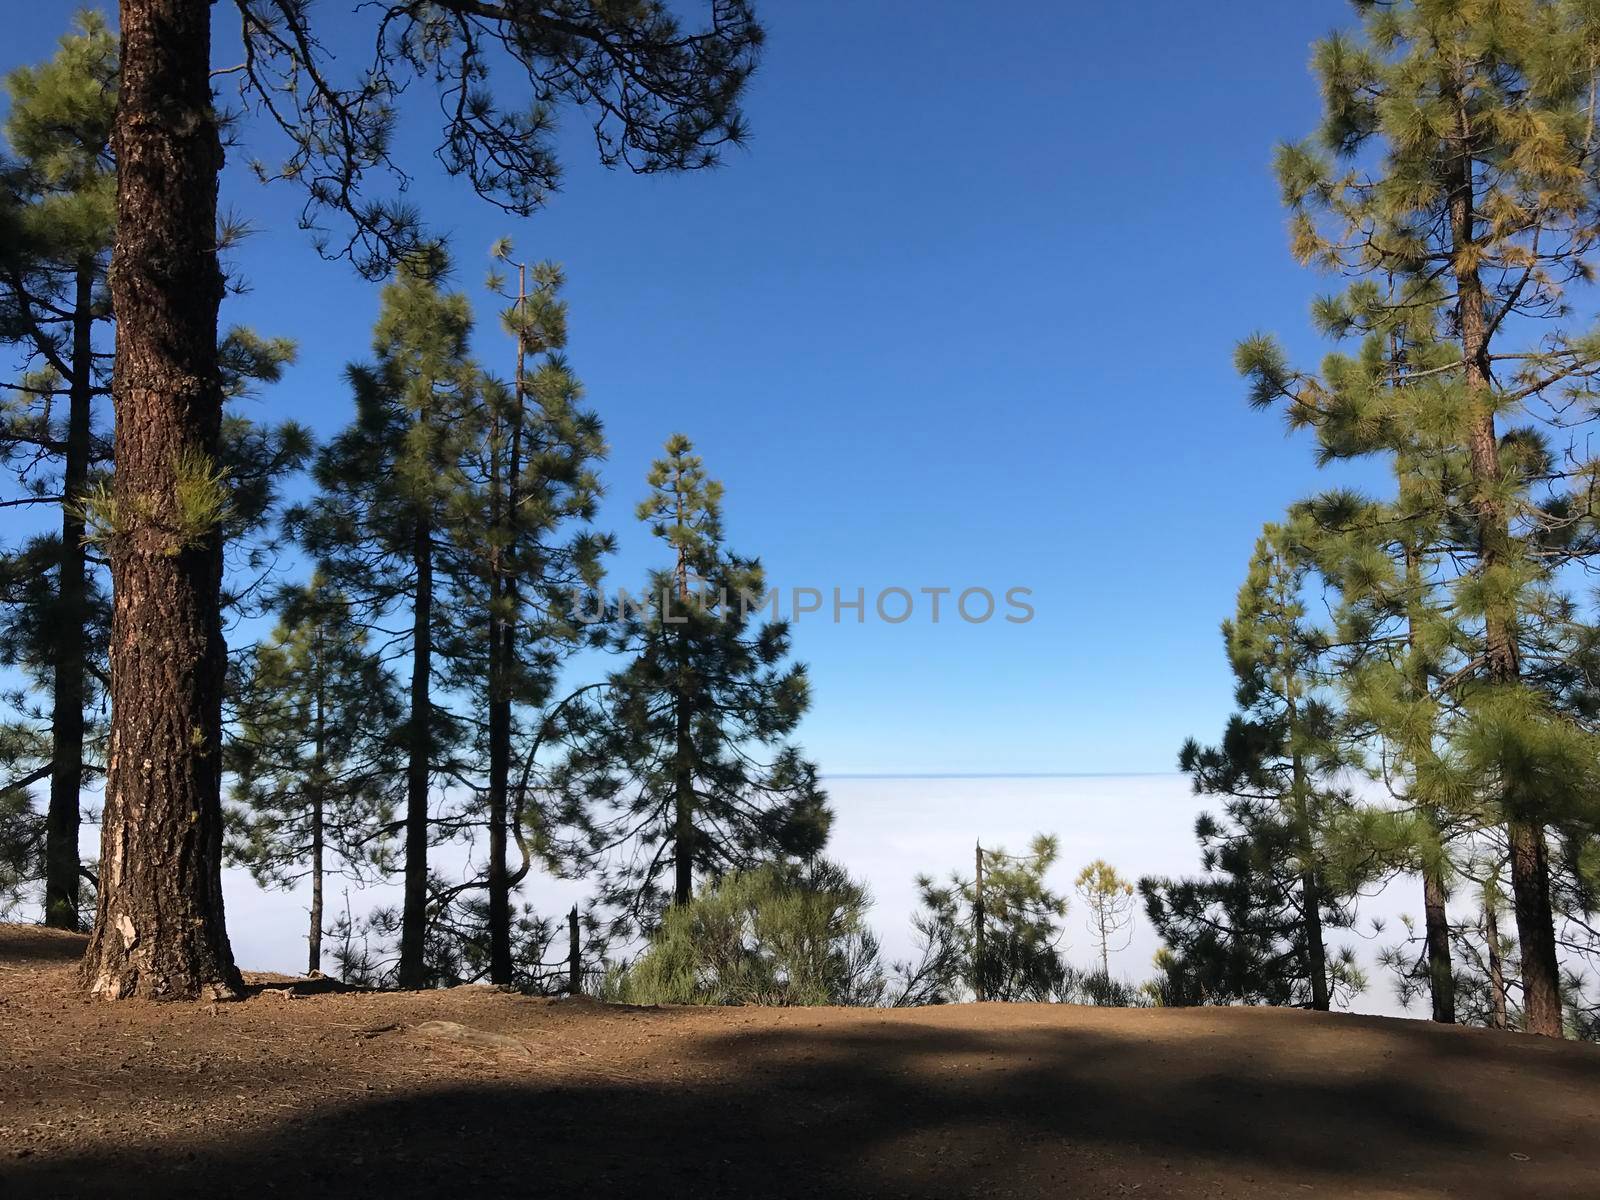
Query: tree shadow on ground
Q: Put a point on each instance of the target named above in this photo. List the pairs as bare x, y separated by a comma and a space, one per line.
915, 1109
33, 945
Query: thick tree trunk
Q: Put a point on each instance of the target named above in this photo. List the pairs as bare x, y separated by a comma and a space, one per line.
1536, 935
159, 930
1530, 869
414, 915
72, 619
1441, 983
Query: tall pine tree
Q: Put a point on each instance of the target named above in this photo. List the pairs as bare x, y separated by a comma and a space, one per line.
1258, 930
57, 206
688, 759
520, 551
57, 196
664, 99
1450, 183
391, 488
314, 762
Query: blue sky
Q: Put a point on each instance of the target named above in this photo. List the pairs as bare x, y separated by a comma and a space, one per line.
961, 315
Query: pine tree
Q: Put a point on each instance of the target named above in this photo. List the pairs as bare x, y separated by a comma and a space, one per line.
520, 551
1005, 928
57, 208
665, 99
1451, 184
391, 488
1237, 933
1389, 563
57, 200
314, 762
688, 758
1278, 763
1109, 900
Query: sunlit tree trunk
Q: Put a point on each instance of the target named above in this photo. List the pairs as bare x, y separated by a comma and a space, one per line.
1530, 866
159, 929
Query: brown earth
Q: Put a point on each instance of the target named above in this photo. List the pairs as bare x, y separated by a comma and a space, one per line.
356, 1095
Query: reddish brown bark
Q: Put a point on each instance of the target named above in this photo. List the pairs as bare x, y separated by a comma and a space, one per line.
1530, 868
159, 931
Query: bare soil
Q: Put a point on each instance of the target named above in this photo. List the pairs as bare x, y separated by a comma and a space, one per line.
475, 1092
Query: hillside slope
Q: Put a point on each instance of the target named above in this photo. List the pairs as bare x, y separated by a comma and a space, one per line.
356, 1095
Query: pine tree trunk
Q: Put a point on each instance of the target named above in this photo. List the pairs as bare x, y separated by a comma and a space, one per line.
1441, 982
574, 955
1316, 952
1310, 884
500, 966
683, 825
159, 930
1530, 870
980, 992
1497, 974
682, 765
414, 914
71, 627
314, 933
1536, 935
1436, 927
318, 798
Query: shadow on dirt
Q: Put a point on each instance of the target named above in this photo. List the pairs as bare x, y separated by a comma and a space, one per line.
30, 945
893, 1109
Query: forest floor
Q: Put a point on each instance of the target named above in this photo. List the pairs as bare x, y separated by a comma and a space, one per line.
475, 1092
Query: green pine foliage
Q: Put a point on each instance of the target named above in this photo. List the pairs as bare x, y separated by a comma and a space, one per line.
316, 772
58, 189
1253, 927
57, 202
391, 489
685, 764
778, 934
521, 545
1448, 186
1237, 933
455, 514
1016, 956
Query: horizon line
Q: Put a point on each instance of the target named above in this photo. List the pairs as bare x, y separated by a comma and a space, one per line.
993, 774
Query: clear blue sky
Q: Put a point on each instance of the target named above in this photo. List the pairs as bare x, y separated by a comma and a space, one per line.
961, 315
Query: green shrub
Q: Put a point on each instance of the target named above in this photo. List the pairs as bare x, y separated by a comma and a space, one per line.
780, 935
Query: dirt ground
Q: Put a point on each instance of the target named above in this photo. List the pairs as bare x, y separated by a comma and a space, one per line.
358, 1095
